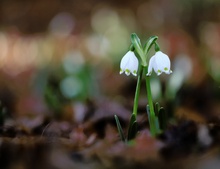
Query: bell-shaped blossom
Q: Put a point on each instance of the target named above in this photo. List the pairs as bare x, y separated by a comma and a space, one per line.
160, 63
129, 64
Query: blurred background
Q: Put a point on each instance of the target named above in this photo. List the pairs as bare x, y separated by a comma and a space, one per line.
56, 55
59, 77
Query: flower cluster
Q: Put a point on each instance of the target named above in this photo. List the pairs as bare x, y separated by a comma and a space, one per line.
160, 63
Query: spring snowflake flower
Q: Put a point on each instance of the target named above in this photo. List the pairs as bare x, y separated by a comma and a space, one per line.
129, 64
160, 63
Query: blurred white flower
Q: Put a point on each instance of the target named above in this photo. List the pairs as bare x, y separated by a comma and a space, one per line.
182, 66
160, 62
129, 64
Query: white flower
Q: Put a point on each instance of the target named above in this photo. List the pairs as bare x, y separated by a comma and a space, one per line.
160, 62
129, 64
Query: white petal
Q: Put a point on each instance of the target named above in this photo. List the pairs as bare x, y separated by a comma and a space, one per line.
134, 65
159, 73
155, 64
168, 71
121, 71
125, 61
127, 72
150, 66
166, 63
159, 58
134, 73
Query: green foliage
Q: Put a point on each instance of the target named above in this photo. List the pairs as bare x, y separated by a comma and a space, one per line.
160, 118
132, 130
53, 100
151, 41
156, 114
120, 130
68, 83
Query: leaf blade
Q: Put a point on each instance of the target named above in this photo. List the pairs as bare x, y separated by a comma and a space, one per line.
132, 129
120, 130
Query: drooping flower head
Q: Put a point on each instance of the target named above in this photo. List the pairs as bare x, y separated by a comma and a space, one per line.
129, 64
160, 63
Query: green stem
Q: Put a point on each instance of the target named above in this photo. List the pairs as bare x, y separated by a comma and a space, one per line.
152, 120
137, 92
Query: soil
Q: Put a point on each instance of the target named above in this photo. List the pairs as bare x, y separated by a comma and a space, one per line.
189, 142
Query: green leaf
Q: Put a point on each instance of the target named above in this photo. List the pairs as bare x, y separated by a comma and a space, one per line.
138, 48
156, 47
132, 47
120, 131
157, 124
162, 117
153, 122
149, 44
132, 130
157, 108
136, 41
